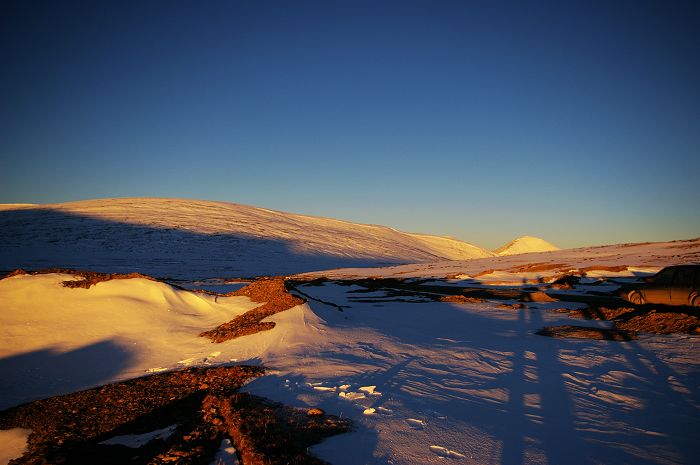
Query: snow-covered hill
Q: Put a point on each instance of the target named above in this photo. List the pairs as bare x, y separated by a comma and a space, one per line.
525, 244
631, 259
194, 238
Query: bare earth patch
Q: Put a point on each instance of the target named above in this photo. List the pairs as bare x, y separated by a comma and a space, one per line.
583, 332
512, 306
273, 293
644, 319
661, 323
614, 269
601, 313
199, 407
460, 299
533, 267
89, 278
268, 433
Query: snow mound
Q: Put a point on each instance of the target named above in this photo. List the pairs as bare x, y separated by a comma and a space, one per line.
526, 244
200, 239
56, 340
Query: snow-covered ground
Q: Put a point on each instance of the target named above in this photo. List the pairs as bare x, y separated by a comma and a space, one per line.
424, 382
202, 239
641, 259
474, 383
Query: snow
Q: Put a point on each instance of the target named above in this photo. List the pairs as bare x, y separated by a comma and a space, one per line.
424, 381
226, 454
190, 239
642, 259
56, 340
13, 443
137, 440
474, 383
526, 244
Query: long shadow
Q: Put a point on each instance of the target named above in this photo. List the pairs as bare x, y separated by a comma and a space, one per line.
46, 238
48, 372
533, 394
664, 416
355, 447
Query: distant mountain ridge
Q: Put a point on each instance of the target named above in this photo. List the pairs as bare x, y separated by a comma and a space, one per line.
526, 244
175, 237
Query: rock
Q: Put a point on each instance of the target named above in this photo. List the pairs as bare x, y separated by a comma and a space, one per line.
315, 412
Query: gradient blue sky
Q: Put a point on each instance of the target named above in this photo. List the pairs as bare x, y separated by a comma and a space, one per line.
575, 121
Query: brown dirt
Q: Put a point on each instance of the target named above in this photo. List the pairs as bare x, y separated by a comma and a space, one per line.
67, 429
273, 292
538, 267
582, 332
202, 402
538, 296
661, 323
645, 319
482, 273
89, 278
460, 299
565, 281
615, 269
512, 306
268, 433
601, 313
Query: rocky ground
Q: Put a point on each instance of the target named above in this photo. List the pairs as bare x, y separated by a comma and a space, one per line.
202, 406
272, 293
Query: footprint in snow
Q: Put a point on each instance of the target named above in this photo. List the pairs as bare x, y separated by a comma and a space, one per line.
445, 452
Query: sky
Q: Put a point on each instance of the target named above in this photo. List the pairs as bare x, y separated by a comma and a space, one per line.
578, 122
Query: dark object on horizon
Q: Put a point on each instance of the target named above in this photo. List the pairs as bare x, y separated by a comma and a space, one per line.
674, 285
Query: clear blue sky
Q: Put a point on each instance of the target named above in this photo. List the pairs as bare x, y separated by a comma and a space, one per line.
575, 121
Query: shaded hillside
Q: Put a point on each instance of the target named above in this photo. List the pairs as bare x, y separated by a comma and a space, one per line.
190, 238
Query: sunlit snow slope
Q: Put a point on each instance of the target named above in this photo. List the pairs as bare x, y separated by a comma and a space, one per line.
192, 238
526, 244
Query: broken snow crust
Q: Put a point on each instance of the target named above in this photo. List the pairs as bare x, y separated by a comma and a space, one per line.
473, 383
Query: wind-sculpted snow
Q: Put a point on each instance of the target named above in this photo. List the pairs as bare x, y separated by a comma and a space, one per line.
430, 381
423, 380
200, 239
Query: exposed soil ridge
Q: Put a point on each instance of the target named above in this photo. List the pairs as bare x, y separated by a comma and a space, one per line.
270, 291
89, 278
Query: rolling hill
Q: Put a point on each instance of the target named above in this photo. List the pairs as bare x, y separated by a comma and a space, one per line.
526, 244
193, 238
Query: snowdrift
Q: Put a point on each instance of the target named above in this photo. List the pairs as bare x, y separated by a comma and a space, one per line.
56, 339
